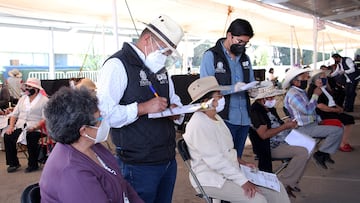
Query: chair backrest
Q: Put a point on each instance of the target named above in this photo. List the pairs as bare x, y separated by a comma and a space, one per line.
183, 149
31, 194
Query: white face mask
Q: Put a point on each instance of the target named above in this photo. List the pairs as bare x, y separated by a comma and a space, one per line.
155, 61
270, 103
221, 105
102, 132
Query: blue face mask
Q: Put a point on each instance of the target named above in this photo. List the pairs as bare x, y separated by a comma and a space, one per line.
324, 80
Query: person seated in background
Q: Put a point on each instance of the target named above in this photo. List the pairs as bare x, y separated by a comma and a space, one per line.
213, 157
25, 121
80, 168
328, 109
302, 109
4, 98
273, 78
14, 83
268, 125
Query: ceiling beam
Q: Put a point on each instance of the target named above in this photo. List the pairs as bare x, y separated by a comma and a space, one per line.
341, 16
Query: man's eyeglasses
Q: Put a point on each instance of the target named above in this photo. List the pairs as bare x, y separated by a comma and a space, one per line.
242, 42
164, 50
99, 120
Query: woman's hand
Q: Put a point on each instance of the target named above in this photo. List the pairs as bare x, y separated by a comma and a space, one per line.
291, 124
250, 189
10, 130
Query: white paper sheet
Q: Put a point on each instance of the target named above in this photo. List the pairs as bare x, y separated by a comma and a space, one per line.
246, 86
262, 178
297, 138
182, 109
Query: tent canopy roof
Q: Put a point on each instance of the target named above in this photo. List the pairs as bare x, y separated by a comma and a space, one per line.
201, 19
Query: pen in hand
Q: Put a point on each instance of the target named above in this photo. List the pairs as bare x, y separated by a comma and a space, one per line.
153, 91
156, 94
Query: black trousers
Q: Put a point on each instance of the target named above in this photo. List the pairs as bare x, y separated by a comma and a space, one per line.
32, 139
350, 92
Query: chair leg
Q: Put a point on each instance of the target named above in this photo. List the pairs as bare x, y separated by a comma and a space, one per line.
283, 165
22, 148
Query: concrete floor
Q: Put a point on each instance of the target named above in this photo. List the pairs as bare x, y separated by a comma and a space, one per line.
340, 183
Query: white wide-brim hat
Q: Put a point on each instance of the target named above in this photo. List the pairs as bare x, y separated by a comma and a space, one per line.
34, 82
291, 74
265, 89
315, 73
168, 31
202, 86
15, 73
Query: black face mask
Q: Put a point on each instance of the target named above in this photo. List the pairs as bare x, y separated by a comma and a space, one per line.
31, 92
303, 84
237, 49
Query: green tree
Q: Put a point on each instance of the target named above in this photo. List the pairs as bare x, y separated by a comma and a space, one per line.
199, 51
91, 61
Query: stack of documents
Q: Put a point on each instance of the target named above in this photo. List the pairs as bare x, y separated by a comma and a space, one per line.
261, 178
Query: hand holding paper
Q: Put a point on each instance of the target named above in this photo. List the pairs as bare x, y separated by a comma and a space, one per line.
182, 109
261, 178
240, 86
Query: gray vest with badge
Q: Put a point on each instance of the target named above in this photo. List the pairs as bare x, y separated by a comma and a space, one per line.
145, 141
223, 73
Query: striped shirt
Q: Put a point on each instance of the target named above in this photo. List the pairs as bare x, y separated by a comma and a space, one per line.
300, 107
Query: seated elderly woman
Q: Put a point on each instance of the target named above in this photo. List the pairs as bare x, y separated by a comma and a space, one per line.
24, 126
328, 108
213, 157
80, 168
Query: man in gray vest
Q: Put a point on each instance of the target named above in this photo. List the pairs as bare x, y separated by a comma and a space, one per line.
348, 71
230, 65
133, 83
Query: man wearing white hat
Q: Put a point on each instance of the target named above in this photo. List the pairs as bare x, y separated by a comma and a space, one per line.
133, 83
27, 117
302, 109
230, 65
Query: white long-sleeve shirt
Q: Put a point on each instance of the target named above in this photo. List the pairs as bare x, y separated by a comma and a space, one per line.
111, 86
28, 112
340, 69
213, 157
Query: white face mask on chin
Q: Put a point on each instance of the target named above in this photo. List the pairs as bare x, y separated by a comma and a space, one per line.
155, 61
270, 103
102, 132
221, 105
